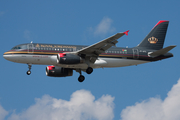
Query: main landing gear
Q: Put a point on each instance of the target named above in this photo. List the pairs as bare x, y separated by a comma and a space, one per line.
81, 78
89, 70
29, 71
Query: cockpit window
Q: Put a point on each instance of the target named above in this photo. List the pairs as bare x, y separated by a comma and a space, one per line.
20, 47
23, 46
14, 48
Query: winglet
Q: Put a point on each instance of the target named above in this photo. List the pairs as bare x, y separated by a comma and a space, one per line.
126, 32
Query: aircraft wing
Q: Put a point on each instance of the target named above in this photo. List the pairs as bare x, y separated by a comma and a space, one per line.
92, 52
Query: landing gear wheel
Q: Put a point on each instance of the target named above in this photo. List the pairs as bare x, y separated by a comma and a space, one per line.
89, 70
28, 72
81, 78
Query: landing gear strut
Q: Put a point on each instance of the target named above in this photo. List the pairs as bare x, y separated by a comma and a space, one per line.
29, 71
81, 78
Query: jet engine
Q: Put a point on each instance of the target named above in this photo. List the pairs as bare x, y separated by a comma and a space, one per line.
63, 58
53, 71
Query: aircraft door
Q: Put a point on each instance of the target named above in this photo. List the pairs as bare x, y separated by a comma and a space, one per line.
30, 48
135, 53
74, 49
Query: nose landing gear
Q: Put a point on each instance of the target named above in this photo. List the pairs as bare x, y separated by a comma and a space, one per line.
29, 71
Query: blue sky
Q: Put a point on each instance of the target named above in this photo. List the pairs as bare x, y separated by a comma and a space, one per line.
135, 92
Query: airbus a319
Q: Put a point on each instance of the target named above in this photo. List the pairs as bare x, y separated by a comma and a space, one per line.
64, 59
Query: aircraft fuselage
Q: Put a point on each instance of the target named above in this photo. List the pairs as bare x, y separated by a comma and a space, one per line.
66, 58
46, 54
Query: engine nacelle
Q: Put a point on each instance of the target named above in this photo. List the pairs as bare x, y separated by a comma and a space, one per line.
58, 71
63, 58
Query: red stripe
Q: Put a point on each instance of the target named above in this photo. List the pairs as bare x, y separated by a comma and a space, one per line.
161, 21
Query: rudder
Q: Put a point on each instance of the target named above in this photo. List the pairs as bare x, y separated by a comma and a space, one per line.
155, 39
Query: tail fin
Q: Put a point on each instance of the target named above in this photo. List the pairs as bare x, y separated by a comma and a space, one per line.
155, 39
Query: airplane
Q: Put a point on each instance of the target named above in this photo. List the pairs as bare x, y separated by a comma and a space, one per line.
63, 59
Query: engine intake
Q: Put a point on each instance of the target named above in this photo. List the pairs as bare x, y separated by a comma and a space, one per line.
53, 71
63, 58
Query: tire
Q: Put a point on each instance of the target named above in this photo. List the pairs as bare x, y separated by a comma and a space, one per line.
28, 72
89, 70
81, 78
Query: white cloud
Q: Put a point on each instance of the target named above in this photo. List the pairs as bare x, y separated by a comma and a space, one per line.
155, 108
81, 106
3, 113
104, 27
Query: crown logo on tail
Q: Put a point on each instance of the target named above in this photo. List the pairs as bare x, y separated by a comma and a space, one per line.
152, 40
37, 45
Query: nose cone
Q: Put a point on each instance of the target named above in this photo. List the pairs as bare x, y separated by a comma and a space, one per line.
6, 56
9, 57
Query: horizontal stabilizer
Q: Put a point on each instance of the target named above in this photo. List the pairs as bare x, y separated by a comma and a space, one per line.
161, 51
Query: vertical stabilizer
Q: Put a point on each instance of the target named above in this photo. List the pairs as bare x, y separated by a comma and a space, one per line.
155, 39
